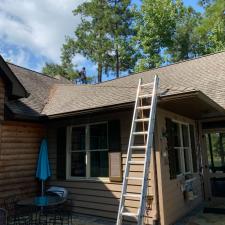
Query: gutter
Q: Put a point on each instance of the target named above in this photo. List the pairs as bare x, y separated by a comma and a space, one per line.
94, 110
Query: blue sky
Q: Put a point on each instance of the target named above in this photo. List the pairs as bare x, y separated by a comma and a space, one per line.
32, 32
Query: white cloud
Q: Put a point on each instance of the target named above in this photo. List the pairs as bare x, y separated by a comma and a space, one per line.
40, 26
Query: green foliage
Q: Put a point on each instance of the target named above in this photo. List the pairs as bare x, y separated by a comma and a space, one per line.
119, 38
104, 36
91, 38
157, 24
52, 69
185, 41
212, 27
121, 33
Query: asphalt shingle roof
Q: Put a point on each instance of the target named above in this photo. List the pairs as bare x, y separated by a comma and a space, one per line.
206, 74
37, 85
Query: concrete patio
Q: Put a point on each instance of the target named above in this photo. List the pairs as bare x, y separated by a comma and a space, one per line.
198, 217
79, 219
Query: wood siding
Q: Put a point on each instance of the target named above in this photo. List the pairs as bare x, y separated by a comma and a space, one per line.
171, 199
101, 197
19, 145
2, 98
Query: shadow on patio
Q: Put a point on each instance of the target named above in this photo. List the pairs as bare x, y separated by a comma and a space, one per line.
198, 217
79, 219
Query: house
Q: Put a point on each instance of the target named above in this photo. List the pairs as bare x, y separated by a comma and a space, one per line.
88, 127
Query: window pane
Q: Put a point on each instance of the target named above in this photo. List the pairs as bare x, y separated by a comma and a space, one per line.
78, 165
176, 135
99, 164
185, 135
216, 149
78, 138
178, 161
98, 136
193, 149
187, 160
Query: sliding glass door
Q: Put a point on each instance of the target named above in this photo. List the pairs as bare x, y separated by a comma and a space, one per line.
215, 144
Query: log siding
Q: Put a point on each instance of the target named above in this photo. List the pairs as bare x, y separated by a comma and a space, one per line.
2, 99
19, 145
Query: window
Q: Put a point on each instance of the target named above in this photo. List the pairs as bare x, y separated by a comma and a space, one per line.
180, 150
88, 151
216, 151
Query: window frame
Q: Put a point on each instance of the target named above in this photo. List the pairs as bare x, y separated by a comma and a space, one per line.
182, 149
87, 151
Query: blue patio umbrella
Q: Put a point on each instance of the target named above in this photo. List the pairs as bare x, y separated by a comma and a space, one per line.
43, 168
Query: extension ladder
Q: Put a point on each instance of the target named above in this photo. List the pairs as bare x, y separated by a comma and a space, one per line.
149, 122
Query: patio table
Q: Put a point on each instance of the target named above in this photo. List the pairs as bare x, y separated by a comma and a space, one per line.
48, 208
42, 201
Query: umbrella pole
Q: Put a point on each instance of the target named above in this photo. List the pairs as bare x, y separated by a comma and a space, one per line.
42, 188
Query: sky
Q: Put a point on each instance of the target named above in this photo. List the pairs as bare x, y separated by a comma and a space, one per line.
33, 31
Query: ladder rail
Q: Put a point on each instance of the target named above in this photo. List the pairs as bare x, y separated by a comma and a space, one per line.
125, 181
149, 133
149, 145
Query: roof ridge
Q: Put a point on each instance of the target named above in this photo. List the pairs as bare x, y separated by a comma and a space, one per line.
160, 67
162, 86
43, 74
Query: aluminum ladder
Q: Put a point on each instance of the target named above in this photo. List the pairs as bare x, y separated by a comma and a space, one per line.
139, 108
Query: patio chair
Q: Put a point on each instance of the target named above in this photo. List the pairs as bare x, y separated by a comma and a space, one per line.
3, 216
18, 215
67, 211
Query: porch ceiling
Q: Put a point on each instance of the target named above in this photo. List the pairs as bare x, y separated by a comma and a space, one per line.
195, 105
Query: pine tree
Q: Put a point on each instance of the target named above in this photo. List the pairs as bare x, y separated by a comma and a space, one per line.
122, 31
104, 36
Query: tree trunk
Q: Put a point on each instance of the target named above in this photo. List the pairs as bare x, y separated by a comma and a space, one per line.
117, 64
117, 51
99, 73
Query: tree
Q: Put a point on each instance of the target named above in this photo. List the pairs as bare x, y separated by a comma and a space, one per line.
53, 69
90, 36
122, 31
157, 24
103, 36
185, 41
212, 27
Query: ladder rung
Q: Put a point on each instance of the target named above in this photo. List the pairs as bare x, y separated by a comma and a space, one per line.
140, 133
142, 120
139, 147
132, 195
147, 84
134, 178
144, 107
129, 214
145, 96
136, 162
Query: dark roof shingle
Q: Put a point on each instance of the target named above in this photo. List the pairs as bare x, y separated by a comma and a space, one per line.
206, 74
37, 85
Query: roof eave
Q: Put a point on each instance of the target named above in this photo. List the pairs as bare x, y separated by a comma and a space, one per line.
218, 110
17, 89
88, 111
163, 99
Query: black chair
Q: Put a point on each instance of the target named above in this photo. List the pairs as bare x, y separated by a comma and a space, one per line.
3, 216
65, 211
18, 215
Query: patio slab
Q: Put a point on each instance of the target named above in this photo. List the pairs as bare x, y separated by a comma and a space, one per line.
79, 219
197, 217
